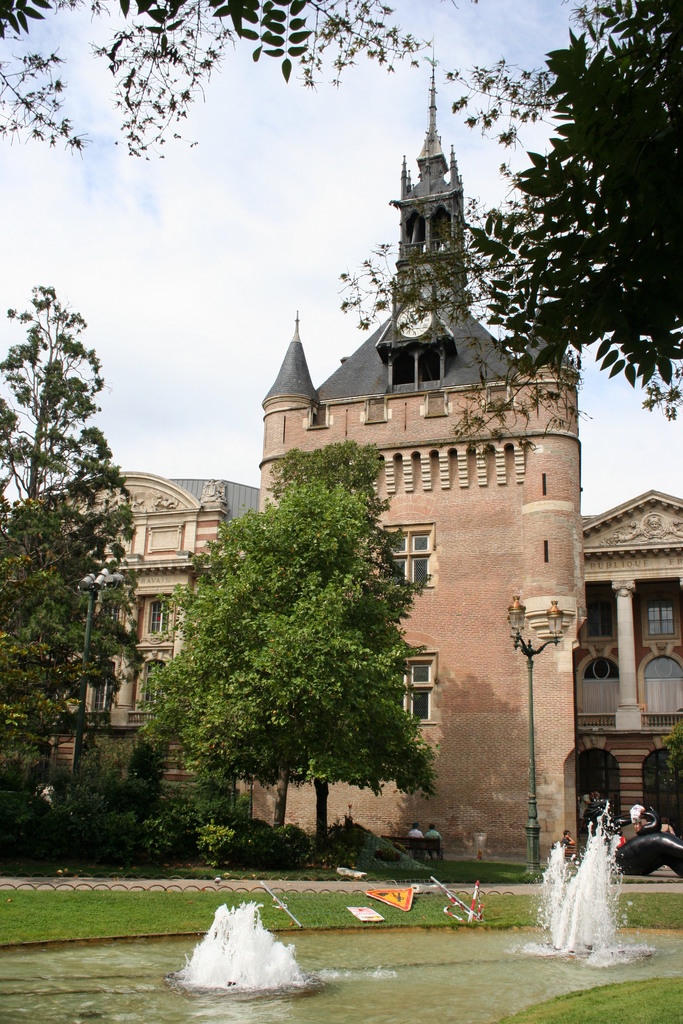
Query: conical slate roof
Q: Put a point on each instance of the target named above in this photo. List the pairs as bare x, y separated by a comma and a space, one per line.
294, 379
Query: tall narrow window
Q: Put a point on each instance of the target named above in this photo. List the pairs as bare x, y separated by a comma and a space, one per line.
151, 688
158, 617
600, 618
660, 617
101, 700
413, 554
419, 683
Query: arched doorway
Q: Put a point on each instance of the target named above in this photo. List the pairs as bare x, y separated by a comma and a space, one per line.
599, 772
662, 788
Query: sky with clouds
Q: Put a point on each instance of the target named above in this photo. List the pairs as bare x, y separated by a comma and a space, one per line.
190, 269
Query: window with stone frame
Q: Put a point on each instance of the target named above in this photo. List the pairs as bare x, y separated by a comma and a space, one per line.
318, 417
151, 682
660, 616
600, 620
158, 616
663, 678
420, 688
413, 552
103, 691
600, 687
376, 410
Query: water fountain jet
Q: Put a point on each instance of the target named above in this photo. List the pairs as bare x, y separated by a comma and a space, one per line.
238, 954
580, 902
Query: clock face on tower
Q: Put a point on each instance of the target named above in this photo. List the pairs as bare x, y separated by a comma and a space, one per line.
413, 323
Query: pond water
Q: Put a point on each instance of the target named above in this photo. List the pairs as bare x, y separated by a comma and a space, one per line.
379, 977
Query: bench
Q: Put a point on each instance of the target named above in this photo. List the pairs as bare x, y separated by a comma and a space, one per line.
416, 847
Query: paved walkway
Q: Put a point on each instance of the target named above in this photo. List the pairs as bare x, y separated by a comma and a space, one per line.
660, 881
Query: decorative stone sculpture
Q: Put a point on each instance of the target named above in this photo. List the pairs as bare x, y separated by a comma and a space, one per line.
646, 852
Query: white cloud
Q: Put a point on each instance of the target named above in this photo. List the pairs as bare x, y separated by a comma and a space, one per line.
190, 270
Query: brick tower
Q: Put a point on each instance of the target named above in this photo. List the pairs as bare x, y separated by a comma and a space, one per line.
485, 516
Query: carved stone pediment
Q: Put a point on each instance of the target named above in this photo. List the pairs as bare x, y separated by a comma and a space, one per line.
150, 494
652, 521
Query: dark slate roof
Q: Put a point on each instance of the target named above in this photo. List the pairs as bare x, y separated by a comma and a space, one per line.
294, 378
364, 373
241, 497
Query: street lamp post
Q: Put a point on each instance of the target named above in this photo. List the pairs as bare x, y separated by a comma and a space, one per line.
517, 618
90, 584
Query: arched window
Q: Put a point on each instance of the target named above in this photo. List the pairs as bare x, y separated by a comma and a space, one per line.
415, 230
662, 788
440, 229
600, 690
599, 772
663, 685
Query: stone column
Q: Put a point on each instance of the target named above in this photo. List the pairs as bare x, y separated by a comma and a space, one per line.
628, 712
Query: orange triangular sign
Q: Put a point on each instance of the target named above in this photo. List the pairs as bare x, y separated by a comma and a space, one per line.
401, 898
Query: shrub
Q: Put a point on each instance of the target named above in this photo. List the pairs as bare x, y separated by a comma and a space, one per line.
171, 834
344, 843
389, 856
216, 844
254, 844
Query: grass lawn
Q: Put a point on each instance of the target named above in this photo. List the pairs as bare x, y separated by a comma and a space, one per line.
653, 1001
48, 915
38, 916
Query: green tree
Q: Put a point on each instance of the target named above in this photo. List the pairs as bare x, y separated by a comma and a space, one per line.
293, 662
674, 745
163, 52
62, 515
589, 252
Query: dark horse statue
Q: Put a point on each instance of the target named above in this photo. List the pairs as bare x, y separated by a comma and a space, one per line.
646, 852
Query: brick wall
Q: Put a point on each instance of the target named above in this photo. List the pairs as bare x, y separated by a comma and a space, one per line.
505, 520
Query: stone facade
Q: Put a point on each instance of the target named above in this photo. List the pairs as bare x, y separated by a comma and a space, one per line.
629, 665
173, 520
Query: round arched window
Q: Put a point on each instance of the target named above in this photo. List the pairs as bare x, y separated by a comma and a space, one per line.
600, 688
663, 685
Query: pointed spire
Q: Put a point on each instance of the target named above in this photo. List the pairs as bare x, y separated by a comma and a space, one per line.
294, 379
431, 160
432, 106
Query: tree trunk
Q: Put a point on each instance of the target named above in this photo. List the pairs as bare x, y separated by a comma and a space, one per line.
281, 796
322, 790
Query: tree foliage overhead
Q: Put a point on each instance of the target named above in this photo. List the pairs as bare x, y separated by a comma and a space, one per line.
589, 253
63, 514
162, 54
292, 667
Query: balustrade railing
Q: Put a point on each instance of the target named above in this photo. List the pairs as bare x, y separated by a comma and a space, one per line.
138, 717
661, 721
666, 720
597, 721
